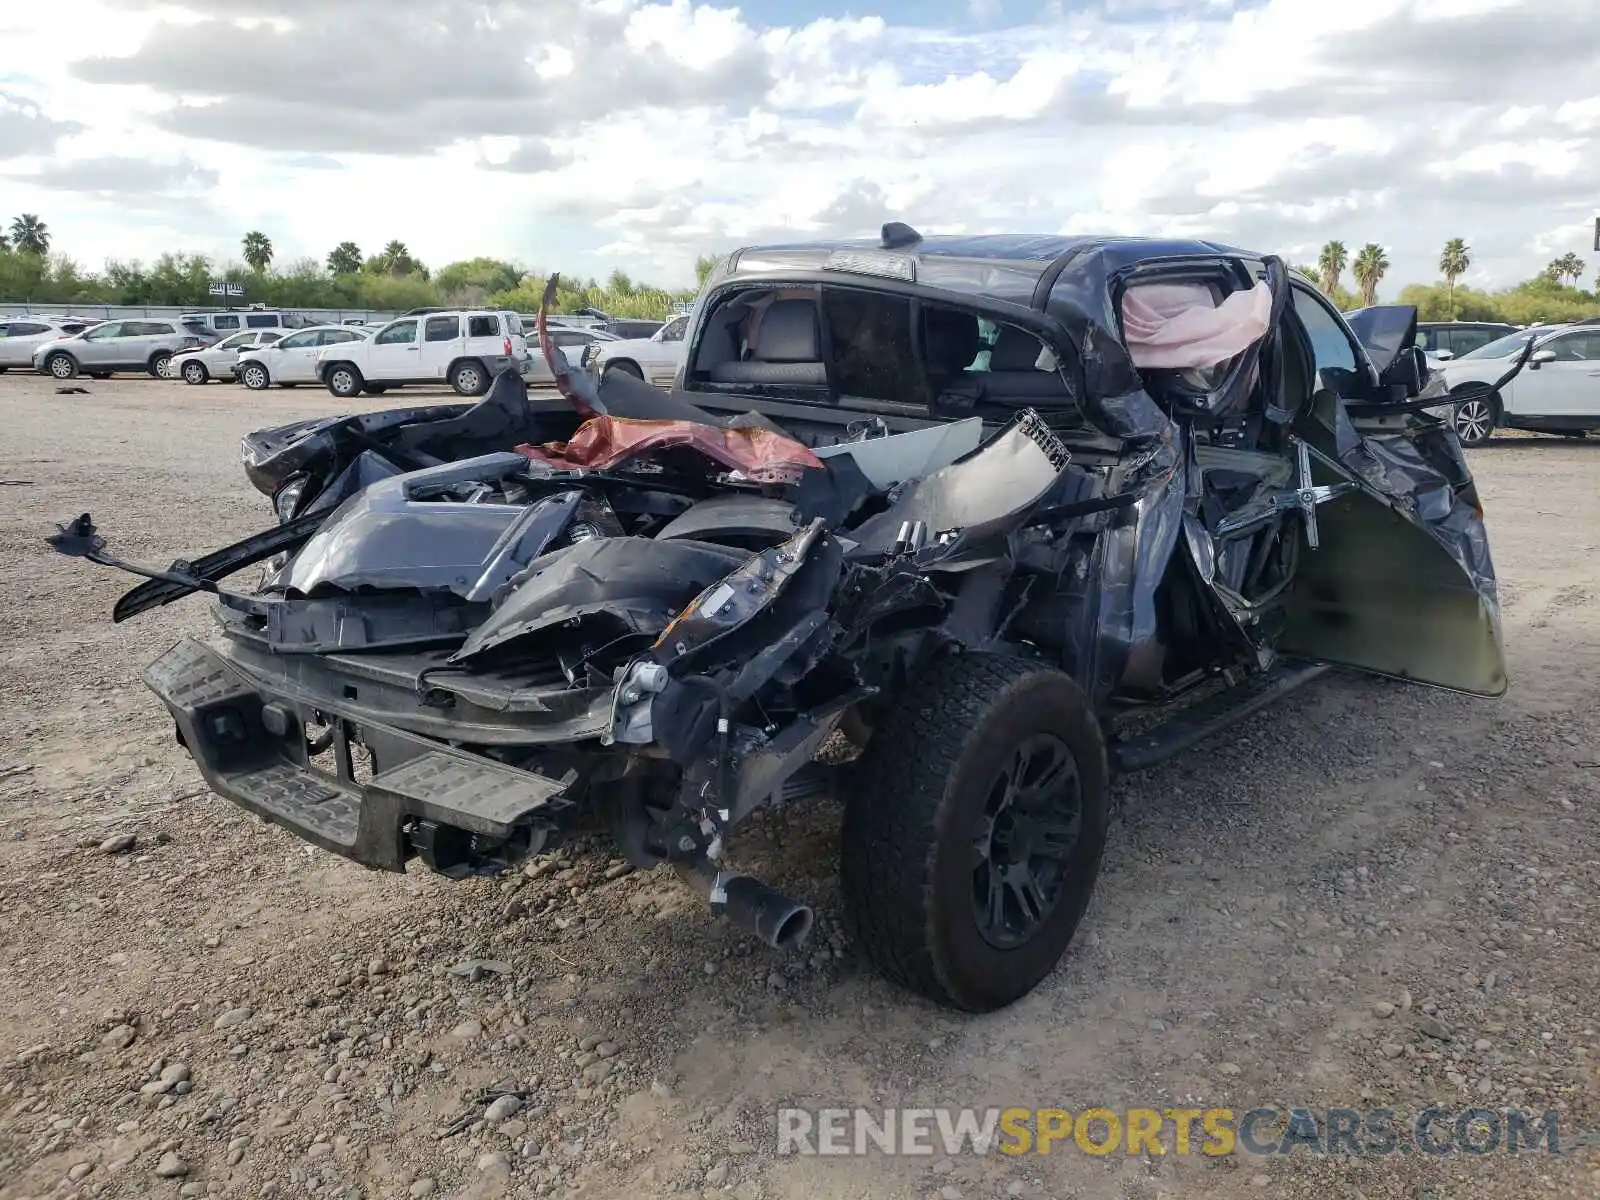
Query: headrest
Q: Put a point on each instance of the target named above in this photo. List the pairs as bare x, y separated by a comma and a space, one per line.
788, 333
1015, 350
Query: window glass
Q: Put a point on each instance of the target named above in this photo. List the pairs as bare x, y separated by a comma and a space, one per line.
870, 340
673, 330
482, 326
1335, 353
299, 341
236, 341
442, 329
1575, 347
261, 320
22, 329
397, 334
271, 336
570, 338
100, 333
225, 321
332, 337
1511, 343
1465, 341
1428, 340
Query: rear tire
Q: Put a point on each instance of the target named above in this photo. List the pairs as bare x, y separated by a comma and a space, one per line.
974, 832
1474, 420
160, 365
469, 378
61, 366
255, 377
344, 381
195, 372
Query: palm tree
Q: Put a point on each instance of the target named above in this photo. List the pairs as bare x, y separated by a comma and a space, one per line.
1569, 267
396, 259
1330, 267
1370, 267
30, 235
257, 250
5, 242
345, 259
1453, 263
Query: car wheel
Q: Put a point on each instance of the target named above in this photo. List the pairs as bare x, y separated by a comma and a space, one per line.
1474, 420
375, 389
160, 365
62, 366
974, 832
195, 372
344, 381
470, 378
254, 376
622, 368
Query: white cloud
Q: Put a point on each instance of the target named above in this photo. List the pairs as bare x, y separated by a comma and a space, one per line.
586, 134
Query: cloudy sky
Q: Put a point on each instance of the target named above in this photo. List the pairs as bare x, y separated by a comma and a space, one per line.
587, 134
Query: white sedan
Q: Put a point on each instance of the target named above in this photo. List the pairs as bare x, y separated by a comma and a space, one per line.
654, 359
204, 363
294, 359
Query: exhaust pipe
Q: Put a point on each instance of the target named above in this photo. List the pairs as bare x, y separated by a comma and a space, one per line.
751, 905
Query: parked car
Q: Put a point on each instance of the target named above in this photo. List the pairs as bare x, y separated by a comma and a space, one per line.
963, 503
579, 345
655, 359
292, 360
133, 345
465, 349
21, 336
222, 322
204, 363
1559, 392
1442, 341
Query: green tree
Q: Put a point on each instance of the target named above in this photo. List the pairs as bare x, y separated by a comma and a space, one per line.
703, 266
1567, 269
620, 283
30, 235
395, 259
344, 259
5, 242
478, 276
1330, 267
1454, 260
257, 250
1370, 267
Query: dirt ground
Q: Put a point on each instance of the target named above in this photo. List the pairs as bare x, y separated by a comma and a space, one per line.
1375, 896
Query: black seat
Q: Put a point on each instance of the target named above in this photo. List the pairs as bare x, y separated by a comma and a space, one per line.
786, 349
1014, 373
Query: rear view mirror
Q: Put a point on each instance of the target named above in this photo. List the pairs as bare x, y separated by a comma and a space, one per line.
1541, 356
1407, 373
1445, 355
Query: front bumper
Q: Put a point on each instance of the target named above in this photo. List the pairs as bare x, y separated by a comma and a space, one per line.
248, 738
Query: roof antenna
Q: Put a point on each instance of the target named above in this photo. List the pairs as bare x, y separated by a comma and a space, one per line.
897, 234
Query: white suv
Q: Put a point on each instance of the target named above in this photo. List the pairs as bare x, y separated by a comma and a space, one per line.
465, 349
655, 359
1557, 392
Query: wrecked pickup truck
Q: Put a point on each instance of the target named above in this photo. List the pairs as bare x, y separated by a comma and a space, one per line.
955, 507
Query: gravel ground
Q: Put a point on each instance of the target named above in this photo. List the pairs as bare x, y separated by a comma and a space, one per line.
1376, 895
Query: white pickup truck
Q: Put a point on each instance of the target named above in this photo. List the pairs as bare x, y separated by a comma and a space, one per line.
465, 349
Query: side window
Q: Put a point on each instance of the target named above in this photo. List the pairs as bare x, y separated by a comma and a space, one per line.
235, 342
299, 341
271, 336
224, 321
442, 329
1430, 341
673, 330
573, 338
261, 320
870, 340
334, 337
398, 334
482, 326
101, 333
22, 329
1334, 352
1575, 347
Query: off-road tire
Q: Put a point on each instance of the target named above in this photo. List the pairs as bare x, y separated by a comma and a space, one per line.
61, 365
916, 795
469, 378
160, 365
622, 367
195, 373
343, 380
1475, 419
254, 376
